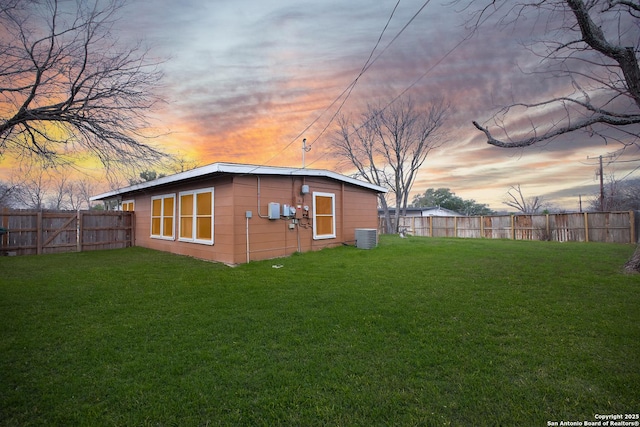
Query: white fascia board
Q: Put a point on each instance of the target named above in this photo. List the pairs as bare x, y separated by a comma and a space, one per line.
239, 169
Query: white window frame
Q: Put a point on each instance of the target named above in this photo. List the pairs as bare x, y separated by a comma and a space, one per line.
194, 218
162, 217
317, 236
132, 201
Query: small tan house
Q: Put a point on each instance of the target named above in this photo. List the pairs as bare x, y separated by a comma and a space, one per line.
236, 213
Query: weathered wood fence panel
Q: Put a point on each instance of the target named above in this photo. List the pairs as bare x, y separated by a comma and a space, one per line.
29, 232
614, 227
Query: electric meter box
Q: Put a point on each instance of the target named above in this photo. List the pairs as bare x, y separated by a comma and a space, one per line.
288, 211
274, 210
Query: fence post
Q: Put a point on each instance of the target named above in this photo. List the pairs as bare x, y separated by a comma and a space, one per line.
79, 218
586, 226
632, 226
39, 233
513, 227
4, 237
548, 228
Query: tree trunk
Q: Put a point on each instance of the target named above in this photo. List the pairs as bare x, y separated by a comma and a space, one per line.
387, 215
633, 265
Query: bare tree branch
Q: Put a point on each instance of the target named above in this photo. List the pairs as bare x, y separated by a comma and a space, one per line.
68, 89
527, 205
583, 51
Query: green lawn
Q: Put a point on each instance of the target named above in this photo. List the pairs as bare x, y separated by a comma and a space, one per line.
415, 332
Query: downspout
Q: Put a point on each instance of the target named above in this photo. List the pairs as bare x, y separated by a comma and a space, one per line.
342, 212
248, 252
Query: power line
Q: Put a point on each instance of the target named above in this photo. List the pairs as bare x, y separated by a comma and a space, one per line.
367, 66
624, 161
351, 86
348, 88
423, 75
634, 169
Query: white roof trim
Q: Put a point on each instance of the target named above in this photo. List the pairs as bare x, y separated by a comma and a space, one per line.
235, 168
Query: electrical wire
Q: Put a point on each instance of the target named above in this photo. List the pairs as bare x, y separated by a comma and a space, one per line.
352, 85
368, 65
349, 88
630, 173
415, 82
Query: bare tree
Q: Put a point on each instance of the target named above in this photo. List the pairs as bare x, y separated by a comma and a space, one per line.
181, 163
527, 205
60, 187
594, 47
618, 195
32, 185
68, 89
7, 195
389, 145
81, 195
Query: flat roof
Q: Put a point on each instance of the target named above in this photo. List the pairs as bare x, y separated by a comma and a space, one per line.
239, 169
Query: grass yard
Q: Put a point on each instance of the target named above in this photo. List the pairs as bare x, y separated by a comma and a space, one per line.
415, 332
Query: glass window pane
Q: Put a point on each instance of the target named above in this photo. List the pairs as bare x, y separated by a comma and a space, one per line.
156, 207
324, 205
186, 227
168, 227
168, 206
186, 205
324, 225
204, 228
155, 226
204, 203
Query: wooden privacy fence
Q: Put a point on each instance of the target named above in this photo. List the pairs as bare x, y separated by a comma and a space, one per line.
614, 227
28, 232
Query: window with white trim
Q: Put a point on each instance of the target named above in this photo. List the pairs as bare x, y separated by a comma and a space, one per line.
162, 214
324, 215
128, 205
196, 216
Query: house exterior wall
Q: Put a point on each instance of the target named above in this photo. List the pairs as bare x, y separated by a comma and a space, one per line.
221, 250
234, 195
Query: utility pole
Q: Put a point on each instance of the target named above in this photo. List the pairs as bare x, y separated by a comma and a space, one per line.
580, 200
601, 187
601, 174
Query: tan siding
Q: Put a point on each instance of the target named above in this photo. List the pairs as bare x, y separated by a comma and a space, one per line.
268, 238
358, 208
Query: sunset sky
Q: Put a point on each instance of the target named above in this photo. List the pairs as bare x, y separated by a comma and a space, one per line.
247, 80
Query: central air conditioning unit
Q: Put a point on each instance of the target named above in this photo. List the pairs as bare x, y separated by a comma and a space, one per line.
366, 238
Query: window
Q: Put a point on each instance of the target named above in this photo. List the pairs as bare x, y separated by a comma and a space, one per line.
127, 205
196, 216
324, 218
162, 212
